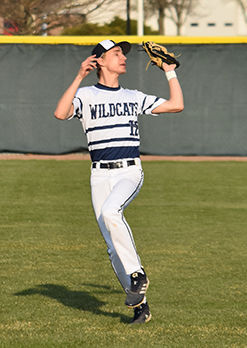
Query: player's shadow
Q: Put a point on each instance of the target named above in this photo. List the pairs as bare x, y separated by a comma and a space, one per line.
80, 300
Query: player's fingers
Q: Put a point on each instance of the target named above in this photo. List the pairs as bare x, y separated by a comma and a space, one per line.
91, 68
92, 58
92, 61
88, 65
93, 64
89, 60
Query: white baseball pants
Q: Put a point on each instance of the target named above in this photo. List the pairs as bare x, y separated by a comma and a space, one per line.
112, 190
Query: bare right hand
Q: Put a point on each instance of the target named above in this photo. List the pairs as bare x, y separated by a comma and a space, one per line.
87, 66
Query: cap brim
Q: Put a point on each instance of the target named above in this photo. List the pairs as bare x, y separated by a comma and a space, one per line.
125, 45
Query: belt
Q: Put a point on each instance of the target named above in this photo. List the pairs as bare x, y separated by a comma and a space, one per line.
113, 165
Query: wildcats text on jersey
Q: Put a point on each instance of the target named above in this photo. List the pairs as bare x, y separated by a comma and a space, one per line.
113, 109
109, 117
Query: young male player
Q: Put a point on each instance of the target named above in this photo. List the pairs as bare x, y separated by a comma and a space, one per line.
109, 116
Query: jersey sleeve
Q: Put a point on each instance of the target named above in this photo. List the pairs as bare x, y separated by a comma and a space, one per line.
148, 103
77, 103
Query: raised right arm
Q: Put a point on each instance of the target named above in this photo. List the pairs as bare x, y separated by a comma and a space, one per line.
65, 106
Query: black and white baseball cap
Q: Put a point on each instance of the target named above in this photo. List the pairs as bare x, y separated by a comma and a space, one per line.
107, 45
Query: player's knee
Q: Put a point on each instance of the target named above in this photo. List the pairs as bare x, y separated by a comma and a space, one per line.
106, 213
109, 214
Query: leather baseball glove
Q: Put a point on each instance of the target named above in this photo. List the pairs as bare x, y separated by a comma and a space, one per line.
158, 54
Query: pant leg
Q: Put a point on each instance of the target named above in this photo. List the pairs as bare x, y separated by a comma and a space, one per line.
100, 190
112, 191
112, 211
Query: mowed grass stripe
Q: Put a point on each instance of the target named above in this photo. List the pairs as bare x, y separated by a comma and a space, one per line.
58, 288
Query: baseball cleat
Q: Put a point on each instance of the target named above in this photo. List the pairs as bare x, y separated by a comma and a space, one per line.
136, 293
141, 314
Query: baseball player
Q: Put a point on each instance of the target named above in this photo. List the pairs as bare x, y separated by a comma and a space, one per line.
109, 117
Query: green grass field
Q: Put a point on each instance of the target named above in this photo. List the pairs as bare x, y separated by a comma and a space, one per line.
57, 285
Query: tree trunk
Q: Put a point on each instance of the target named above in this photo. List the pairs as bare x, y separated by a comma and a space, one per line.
161, 20
128, 29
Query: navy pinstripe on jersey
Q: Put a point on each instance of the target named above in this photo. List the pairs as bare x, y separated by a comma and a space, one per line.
109, 117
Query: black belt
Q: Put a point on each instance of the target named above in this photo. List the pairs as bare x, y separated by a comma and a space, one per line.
113, 165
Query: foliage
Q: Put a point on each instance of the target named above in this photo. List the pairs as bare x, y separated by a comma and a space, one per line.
36, 17
176, 10
59, 290
116, 27
30, 16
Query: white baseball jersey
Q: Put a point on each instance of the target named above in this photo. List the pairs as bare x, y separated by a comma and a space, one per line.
109, 117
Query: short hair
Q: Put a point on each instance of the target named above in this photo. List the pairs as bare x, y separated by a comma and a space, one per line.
99, 67
98, 71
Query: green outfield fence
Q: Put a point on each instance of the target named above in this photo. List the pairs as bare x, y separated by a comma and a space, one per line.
35, 71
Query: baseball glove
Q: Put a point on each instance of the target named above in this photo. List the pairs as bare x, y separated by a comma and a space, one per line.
158, 54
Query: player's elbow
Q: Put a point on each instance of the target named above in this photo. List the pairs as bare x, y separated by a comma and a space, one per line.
56, 115
59, 116
179, 107
176, 107
170, 106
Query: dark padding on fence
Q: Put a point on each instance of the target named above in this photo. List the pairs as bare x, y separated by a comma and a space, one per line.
213, 78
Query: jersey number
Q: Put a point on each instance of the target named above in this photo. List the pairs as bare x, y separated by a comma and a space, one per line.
133, 128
